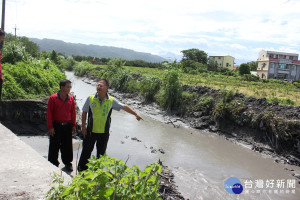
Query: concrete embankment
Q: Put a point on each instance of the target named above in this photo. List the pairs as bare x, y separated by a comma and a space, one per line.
24, 173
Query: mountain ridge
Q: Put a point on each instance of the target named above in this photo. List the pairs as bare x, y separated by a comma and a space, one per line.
78, 49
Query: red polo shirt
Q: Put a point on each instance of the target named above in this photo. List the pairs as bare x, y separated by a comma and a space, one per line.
60, 110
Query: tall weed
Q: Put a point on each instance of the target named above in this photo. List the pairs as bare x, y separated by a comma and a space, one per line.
149, 88
171, 87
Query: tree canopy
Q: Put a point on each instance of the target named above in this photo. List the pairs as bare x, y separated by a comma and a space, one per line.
195, 55
30, 47
244, 69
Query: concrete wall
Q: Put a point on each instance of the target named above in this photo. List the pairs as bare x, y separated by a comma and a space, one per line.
24, 173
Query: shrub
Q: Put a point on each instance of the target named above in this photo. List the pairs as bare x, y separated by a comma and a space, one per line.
11, 89
249, 77
29, 80
244, 69
149, 88
82, 68
66, 63
282, 101
119, 79
205, 104
131, 86
188, 102
171, 87
109, 178
14, 52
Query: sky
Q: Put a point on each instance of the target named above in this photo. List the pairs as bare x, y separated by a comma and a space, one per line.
238, 28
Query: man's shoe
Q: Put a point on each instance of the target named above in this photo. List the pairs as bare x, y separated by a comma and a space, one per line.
69, 168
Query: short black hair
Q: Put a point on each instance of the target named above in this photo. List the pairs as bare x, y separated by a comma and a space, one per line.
2, 32
105, 80
63, 83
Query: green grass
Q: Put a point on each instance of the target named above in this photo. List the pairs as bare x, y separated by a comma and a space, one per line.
283, 91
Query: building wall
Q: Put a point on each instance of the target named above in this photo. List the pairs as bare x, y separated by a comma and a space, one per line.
228, 62
278, 65
223, 61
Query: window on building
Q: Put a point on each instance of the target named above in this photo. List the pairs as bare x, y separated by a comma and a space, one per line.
272, 65
282, 66
282, 76
294, 67
227, 65
263, 75
263, 65
271, 56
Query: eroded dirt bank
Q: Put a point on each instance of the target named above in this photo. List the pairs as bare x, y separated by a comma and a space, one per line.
27, 116
270, 128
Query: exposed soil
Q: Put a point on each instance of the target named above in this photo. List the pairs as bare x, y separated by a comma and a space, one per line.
167, 188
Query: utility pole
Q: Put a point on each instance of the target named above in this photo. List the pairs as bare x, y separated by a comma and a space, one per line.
2, 22
15, 31
3, 15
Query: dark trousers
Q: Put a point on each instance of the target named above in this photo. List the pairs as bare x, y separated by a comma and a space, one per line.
1, 83
62, 140
88, 146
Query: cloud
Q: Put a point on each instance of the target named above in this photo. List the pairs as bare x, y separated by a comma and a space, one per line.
232, 27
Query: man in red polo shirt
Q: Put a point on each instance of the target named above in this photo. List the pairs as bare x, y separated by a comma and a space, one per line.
61, 121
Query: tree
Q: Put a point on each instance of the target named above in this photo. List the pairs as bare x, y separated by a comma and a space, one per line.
193, 59
30, 47
195, 55
14, 52
253, 65
244, 69
212, 66
54, 57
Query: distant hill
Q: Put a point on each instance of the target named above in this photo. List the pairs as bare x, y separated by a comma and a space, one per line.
76, 49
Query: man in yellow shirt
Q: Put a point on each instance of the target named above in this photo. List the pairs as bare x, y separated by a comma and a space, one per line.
99, 106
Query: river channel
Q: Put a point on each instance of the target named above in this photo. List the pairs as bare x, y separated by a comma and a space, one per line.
201, 161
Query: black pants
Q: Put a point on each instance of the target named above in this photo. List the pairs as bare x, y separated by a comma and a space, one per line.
88, 146
62, 140
1, 83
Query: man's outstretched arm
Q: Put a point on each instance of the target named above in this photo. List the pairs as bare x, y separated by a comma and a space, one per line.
129, 110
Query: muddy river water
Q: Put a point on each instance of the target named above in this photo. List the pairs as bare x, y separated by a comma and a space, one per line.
201, 161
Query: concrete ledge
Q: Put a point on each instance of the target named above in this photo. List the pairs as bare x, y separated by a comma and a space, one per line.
24, 173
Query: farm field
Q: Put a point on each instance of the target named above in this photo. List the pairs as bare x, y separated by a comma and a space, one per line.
271, 90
